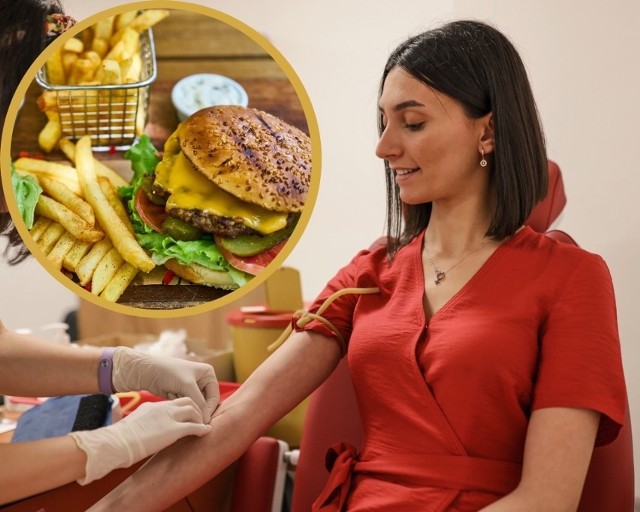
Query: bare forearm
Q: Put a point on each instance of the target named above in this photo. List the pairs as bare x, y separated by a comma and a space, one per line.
33, 467
557, 454
288, 376
190, 462
33, 367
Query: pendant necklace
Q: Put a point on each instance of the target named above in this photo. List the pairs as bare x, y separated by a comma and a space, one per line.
441, 274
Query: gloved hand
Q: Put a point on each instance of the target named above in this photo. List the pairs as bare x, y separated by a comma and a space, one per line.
166, 376
147, 430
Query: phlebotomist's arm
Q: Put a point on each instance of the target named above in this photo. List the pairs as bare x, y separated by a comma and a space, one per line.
32, 367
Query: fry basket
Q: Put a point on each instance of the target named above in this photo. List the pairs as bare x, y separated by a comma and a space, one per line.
112, 115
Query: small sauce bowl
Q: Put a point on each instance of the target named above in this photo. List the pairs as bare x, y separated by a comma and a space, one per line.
195, 92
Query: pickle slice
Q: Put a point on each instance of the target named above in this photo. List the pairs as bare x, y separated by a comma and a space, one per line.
180, 230
250, 245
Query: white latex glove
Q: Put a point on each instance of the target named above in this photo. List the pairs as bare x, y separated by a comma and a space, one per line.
166, 376
147, 430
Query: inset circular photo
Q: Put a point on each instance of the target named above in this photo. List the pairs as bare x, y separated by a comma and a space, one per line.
163, 161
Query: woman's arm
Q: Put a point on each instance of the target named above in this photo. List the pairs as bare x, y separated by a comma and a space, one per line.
278, 385
32, 367
556, 459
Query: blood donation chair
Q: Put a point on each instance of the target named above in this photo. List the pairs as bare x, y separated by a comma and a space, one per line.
332, 414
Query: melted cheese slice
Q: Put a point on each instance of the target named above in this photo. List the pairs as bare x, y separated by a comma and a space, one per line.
191, 190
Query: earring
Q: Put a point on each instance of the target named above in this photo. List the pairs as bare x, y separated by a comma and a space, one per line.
483, 162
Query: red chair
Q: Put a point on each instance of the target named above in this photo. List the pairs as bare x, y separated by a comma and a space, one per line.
333, 416
260, 477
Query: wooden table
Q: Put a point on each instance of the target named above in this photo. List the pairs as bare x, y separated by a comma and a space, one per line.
186, 43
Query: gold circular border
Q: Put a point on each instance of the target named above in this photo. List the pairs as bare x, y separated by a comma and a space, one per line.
316, 156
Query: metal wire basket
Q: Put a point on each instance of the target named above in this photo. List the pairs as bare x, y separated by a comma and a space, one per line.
113, 115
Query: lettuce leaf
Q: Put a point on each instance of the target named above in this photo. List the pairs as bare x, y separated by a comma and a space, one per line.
27, 191
144, 158
203, 252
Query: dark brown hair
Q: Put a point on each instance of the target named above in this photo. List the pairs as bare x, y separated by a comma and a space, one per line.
476, 65
22, 38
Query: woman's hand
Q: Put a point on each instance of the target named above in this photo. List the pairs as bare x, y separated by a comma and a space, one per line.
149, 429
169, 377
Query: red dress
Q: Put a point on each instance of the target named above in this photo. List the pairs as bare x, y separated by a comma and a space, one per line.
445, 404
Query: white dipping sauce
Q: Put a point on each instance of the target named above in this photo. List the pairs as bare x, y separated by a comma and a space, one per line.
195, 92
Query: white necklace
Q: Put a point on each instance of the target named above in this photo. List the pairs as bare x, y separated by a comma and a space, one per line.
439, 275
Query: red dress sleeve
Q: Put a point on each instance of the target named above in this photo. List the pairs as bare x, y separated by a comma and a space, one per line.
340, 312
580, 364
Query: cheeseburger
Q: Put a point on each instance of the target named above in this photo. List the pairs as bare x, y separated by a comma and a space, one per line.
225, 197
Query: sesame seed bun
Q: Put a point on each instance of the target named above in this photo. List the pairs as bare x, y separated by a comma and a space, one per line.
250, 154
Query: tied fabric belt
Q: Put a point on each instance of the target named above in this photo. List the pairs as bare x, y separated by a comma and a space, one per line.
459, 472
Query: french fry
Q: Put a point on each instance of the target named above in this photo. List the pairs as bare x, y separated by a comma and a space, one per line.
82, 71
93, 57
39, 227
48, 101
123, 19
140, 23
87, 36
103, 29
116, 52
57, 212
140, 121
114, 200
55, 69
100, 46
108, 219
110, 72
131, 69
63, 195
118, 284
49, 238
53, 116
49, 136
130, 40
105, 270
86, 267
60, 249
69, 149
68, 61
61, 172
73, 45
148, 19
75, 255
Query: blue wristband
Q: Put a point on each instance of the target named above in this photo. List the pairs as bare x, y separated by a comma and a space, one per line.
105, 369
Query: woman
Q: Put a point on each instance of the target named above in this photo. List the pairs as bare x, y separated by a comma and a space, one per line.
484, 356
32, 367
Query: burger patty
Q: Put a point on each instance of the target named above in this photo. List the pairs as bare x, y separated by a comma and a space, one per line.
223, 226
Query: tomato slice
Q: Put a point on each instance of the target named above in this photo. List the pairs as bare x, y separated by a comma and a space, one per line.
151, 213
252, 264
